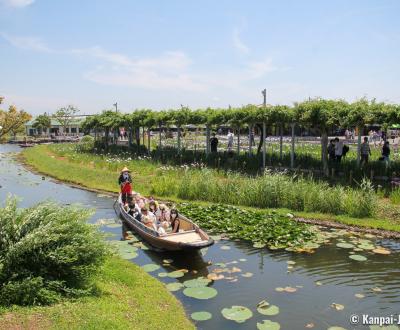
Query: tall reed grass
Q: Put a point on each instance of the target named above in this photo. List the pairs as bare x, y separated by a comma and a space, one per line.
271, 191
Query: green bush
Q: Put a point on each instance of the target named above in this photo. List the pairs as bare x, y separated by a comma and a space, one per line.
47, 252
86, 144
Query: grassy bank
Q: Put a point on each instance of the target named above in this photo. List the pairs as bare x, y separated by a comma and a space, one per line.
128, 298
100, 172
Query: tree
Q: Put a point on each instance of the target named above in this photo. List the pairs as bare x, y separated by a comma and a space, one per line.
66, 115
42, 122
13, 120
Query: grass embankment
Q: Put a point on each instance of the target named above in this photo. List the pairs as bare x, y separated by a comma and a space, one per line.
149, 178
128, 298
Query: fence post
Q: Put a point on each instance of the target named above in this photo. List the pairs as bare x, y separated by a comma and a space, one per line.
292, 148
207, 140
179, 139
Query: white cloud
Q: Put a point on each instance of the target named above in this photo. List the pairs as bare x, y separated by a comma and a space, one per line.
238, 43
257, 69
17, 3
28, 43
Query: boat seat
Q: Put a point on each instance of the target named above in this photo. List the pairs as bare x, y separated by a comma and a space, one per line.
185, 237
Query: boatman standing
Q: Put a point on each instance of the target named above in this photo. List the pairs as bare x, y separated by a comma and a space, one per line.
125, 182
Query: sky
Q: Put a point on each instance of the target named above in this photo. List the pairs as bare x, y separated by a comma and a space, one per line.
164, 54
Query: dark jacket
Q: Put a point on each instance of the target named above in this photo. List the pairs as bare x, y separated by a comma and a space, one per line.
121, 179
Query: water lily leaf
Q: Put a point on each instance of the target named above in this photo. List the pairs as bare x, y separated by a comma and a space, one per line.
268, 310
243, 259
359, 295
215, 277
279, 289
263, 303
336, 328
220, 264
200, 292
225, 247
366, 246
168, 261
345, 245
259, 245
197, 282
376, 289
162, 274
310, 325
318, 283
238, 314
150, 267
338, 307
176, 274
357, 257
235, 270
268, 325
389, 327
247, 274
174, 286
290, 289
291, 262
128, 254
381, 251
201, 316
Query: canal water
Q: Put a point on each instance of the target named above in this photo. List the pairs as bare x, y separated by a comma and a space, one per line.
328, 286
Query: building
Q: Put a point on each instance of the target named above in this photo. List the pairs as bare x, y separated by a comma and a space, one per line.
56, 128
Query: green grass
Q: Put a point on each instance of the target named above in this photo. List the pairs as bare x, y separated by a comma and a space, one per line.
100, 172
128, 299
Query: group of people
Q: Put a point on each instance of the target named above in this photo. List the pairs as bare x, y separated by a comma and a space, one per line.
337, 150
365, 151
148, 211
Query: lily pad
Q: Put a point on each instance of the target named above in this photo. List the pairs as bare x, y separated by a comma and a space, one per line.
200, 292
389, 327
279, 289
345, 245
359, 295
162, 274
258, 245
338, 307
215, 277
225, 247
128, 254
268, 310
201, 316
243, 259
247, 274
174, 286
268, 325
381, 251
197, 282
238, 314
358, 257
150, 267
176, 274
336, 328
168, 261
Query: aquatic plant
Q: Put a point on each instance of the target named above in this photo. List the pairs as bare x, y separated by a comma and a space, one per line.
269, 229
47, 252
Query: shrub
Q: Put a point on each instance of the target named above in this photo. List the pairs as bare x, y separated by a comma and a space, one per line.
47, 252
86, 144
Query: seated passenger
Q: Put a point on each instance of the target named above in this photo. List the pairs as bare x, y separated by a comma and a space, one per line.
148, 222
153, 208
174, 220
163, 213
146, 213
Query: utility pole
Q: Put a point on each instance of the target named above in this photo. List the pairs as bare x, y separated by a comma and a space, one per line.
116, 106
264, 93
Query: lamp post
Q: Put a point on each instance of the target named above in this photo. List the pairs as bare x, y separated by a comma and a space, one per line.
116, 106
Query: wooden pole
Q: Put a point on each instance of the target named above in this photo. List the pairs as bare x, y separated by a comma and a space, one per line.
292, 149
179, 139
148, 140
280, 141
238, 142
264, 145
250, 149
359, 146
207, 140
159, 142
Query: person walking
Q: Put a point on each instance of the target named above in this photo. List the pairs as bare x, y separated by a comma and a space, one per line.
338, 149
214, 143
230, 140
386, 152
365, 151
331, 150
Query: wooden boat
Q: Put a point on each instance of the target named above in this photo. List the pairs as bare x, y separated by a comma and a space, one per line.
191, 238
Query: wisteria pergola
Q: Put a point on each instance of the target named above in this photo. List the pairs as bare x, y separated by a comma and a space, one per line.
321, 114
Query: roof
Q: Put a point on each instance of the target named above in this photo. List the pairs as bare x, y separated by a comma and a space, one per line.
55, 122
